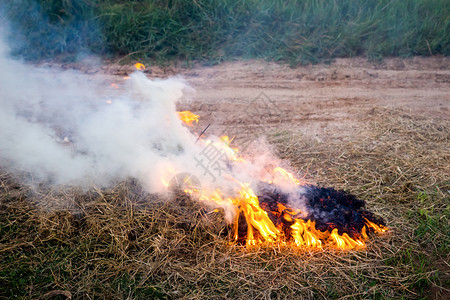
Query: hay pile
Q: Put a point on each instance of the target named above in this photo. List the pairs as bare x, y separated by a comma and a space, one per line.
123, 243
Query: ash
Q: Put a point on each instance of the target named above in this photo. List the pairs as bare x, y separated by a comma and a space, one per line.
327, 207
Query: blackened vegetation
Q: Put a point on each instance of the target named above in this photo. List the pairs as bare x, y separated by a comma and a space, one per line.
327, 207
214, 30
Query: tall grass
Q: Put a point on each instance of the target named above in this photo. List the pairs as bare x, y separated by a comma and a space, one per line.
295, 31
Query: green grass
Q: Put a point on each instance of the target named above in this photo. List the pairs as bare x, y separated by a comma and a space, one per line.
433, 226
211, 31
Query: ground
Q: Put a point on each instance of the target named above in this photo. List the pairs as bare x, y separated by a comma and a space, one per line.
377, 129
326, 101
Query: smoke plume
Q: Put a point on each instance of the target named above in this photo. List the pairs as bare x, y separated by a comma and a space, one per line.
64, 127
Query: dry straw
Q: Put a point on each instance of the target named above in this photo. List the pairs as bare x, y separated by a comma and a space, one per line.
123, 243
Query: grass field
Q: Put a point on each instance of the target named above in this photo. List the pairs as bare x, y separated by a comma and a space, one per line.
123, 243
211, 31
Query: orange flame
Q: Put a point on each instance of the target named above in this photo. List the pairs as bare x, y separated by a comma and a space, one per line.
344, 241
377, 228
188, 117
260, 228
139, 66
255, 216
283, 175
305, 234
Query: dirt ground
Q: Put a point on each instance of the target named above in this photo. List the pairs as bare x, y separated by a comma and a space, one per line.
320, 101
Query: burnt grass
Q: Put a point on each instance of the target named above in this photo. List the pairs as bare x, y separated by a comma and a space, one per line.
117, 243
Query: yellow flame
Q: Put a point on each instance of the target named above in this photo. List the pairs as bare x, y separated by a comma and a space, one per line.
260, 227
344, 241
305, 234
364, 233
231, 153
256, 217
188, 117
283, 175
168, 175
139, 66
291, 229
378, 228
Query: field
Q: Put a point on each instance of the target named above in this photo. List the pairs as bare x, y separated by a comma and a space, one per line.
378, 130
356, 97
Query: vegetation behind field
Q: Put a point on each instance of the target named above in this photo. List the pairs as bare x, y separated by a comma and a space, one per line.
291, 31
123, 243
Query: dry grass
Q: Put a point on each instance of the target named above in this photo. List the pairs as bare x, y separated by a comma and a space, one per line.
123, 243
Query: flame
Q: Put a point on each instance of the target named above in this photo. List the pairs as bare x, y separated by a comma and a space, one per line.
259, 226
363, 233
284, 176
344, 241
261, 229
289, 229
255, 216
139, 66
377, 228
305, 234
231, 153
167, 175
188, 117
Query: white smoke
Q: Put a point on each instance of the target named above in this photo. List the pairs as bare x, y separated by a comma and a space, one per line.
65, 127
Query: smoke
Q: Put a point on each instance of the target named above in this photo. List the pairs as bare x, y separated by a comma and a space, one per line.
64, 127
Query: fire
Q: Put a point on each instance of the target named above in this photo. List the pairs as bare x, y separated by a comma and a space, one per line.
139, 66
257, 222
292, 231
344, 241
305, 234
297, 231
377, 228
188, 117
282, 174
256, 217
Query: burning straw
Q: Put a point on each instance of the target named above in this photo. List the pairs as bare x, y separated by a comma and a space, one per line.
121, 241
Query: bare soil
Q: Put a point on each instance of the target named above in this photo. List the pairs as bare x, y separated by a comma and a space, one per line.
325, 101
